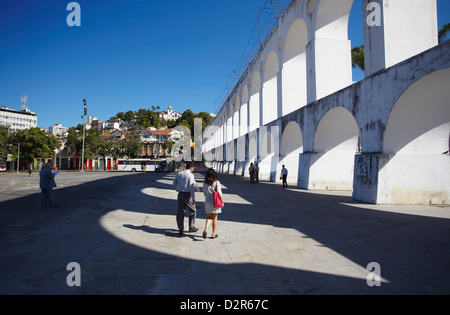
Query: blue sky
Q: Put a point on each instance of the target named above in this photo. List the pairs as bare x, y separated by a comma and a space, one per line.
128, 54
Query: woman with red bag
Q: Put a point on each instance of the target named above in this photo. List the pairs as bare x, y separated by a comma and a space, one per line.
213, 201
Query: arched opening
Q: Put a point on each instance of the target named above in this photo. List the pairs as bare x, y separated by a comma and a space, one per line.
415, 170
236, 127
219, 136
252, 151
336, 142
270, 88
267, 164
240, 156
331, 49
294, 67
241, 149
243, 110
229, 124
254, 101
290, 148
356, 36
332, 18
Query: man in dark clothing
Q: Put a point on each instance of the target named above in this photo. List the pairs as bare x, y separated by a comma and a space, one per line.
46, 183
251, 171
256, 175
186, 186
284, 174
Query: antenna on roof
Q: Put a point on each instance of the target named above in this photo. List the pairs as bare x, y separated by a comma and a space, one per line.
24, 101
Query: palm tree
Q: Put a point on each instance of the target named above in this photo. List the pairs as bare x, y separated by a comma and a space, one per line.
443, 32
358, 57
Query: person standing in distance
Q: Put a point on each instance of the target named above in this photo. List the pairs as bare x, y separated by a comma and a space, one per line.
185, 185
210, 185
284, 174
46, 183
251, 171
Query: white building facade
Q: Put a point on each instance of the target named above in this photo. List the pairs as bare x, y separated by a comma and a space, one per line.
58, 130
170, 115
17, 120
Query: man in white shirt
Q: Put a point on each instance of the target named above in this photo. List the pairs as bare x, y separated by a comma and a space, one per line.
284, 173
185, 185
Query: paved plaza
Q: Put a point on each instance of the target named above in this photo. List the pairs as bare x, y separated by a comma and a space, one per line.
121, 230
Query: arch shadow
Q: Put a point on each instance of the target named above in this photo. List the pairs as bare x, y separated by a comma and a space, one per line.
36, 245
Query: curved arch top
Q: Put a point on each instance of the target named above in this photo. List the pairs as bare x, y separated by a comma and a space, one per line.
419, 122
256, 83
291, 139
332, 18
271, 66
337, 131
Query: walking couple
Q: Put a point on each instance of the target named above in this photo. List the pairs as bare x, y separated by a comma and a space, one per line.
186, 186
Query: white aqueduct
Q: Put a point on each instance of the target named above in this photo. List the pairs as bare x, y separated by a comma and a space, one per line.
385, 137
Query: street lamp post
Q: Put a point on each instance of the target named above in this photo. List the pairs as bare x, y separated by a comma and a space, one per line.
84, 133
18, 158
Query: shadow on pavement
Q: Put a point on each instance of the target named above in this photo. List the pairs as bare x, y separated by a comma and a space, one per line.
36, 245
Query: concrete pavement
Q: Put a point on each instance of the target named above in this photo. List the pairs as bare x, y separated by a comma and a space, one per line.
120, 228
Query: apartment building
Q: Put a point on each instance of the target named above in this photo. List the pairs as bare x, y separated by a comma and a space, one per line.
17, 120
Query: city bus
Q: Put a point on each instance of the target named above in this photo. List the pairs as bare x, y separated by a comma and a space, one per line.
2, 165
138, 165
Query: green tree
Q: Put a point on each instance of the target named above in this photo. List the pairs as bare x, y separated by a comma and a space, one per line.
358, 57
5, 141
148, 118
187, 116
443, 33
92, 140
91, 143
34, 144
171, 123
74, 140
121, 116
143, 118
129, 116
130, 146
206, 119
155, 121
105, 148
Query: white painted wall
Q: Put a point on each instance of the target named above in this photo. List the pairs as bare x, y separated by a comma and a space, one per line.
294, 67
270, 88
407, 29
290, 148
414, 170
313, 61
335, 146
254, 122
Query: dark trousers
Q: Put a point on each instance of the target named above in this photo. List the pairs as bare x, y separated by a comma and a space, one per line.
284, 181
185, 201
252, 177
47, 199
